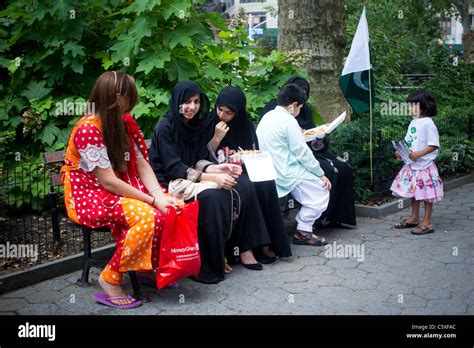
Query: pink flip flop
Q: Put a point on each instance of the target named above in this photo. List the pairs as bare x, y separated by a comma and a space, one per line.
150, 282
105, 299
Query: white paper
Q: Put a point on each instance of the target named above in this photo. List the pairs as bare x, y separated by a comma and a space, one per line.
403, 149
260, 167
329, 128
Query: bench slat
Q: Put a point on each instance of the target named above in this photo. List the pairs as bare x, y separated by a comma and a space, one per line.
53, 157
56, 180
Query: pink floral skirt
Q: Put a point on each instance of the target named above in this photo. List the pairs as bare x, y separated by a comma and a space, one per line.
423, 185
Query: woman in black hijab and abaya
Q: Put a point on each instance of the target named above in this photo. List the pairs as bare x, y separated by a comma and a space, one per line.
341, 207
230, 127
178, 150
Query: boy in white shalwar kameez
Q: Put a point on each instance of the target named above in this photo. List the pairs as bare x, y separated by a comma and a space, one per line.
298, 172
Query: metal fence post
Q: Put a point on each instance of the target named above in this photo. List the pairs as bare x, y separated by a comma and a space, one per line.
469, 127
377, 157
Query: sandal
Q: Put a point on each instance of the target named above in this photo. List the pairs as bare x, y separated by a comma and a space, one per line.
307, 238
227, 268
105, 299
422, 229
404, 224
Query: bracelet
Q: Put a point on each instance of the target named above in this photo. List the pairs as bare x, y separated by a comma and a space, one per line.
158, 188
153, 202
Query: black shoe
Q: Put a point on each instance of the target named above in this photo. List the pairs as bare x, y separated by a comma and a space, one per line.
253, 266
266, 260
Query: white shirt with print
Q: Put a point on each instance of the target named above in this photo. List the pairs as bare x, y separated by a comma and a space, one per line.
421, 133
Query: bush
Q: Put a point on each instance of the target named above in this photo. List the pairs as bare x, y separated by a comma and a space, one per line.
52, 52
351, 141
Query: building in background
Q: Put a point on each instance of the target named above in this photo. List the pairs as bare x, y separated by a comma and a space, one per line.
452, 30
265, 11
264, 17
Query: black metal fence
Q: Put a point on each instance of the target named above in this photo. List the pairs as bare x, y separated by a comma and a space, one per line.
25, 217
384, 164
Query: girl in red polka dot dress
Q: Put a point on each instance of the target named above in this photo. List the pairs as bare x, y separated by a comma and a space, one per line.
108, 181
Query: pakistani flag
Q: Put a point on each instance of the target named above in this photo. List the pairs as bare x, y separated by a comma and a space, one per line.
354, 80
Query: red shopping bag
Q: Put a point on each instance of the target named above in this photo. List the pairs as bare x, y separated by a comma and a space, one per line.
179, 249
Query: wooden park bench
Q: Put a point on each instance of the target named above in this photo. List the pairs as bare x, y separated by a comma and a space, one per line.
57, 157
51, 158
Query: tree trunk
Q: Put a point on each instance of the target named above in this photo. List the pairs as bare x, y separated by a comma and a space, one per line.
317, 25
467, 36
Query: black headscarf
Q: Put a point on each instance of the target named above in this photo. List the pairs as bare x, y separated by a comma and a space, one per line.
182, 91
305, 118
176, 145
241, 129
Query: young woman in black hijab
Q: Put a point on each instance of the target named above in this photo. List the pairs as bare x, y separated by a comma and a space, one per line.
230, 127
178, 150
341, 208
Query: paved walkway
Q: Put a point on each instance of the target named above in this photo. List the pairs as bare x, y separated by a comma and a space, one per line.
399, 274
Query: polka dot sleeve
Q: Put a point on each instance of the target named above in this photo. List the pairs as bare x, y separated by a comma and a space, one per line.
91, 147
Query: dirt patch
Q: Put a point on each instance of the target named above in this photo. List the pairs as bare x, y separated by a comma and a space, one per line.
37, 231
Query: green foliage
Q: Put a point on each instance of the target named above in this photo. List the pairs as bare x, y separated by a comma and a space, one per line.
453, 82
27, 186
405, 38
352, 142
456, 158
51, 52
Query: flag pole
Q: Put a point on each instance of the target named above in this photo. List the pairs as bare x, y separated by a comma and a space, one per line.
370, 118
371, 129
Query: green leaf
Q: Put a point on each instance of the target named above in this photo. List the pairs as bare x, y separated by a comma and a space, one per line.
37, 15
3, 112
229, 57
15, 121
60, 9
142, 109
181, 35
142, 6
58, 146
161, 98
181, 70
4, 46
225, 35
216, 20
74, 48
77, 66
123, 48
179, 8
38, 189
4, 62
48, 134
141, 28
36, 89
105, 57
42, 105
214, 73
12, 66
153, 60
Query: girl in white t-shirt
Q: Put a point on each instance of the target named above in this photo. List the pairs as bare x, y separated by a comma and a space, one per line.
420, 179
